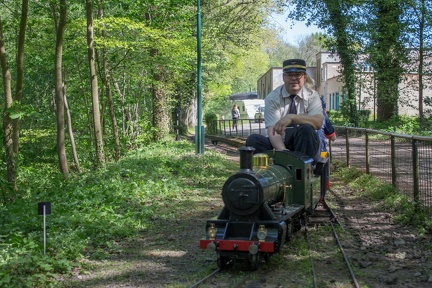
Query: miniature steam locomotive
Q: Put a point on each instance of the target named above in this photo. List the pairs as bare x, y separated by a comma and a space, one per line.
264, 204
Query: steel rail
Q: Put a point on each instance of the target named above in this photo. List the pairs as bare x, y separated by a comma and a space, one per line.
311, 258
345, 257
205, 278
333, 219
242, 280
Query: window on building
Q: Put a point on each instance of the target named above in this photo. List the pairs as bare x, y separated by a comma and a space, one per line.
337, 101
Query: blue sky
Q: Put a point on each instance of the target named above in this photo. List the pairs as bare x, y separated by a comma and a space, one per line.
299, 29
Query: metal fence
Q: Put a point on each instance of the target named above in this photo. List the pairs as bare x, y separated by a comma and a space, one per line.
245, 127
405, 161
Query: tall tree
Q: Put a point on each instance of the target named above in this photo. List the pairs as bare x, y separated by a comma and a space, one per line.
417, 20
386, 54
20, 71
344, 44
59, 92
7, 123
70, 129
100, 156
107, 83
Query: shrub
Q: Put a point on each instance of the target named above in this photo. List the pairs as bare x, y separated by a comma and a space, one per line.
210, 119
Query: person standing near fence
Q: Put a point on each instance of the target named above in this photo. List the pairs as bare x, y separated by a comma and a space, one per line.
235, 116
293, 114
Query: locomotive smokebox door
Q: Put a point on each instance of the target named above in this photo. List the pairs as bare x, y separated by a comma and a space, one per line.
242, 195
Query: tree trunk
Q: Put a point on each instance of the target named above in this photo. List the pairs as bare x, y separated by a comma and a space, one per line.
70, 131
86, 106
421, 31
61, 150
117, 88
107, 84
20, 71
100, 157
160, 110
7, 124
387, 58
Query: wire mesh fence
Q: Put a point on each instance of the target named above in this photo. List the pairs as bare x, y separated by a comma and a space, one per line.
401, 160
405, 161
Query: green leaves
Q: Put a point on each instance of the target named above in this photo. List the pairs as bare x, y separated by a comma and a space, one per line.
94, 212
17, 111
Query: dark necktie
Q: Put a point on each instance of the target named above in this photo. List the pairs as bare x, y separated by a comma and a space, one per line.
292, 108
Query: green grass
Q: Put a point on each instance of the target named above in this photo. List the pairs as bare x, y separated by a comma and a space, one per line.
409, 125
95, 210
386, 197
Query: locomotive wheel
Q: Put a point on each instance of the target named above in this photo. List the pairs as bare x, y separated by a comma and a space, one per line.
299, 222
267, 256
290, 231
254, 261
223, 262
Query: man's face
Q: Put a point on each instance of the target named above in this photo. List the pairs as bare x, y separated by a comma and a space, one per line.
294, 81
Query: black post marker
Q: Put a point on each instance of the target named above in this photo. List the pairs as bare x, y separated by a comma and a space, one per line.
44, 208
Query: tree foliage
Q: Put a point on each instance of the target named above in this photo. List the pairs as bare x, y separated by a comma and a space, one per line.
378, 33
145, 65
338, 19
386, 54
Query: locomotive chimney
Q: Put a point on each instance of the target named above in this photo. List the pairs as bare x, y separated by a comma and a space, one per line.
246, 156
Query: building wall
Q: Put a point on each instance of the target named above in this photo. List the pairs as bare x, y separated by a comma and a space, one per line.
329, 85
269, 81
323, 59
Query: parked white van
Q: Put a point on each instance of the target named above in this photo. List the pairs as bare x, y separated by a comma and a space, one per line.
259, 115
249, 107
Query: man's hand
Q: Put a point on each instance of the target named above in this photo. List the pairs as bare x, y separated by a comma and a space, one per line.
284, 122
298, 119
333, 137
275, 139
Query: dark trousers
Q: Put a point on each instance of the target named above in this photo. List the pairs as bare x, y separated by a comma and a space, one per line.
302, 138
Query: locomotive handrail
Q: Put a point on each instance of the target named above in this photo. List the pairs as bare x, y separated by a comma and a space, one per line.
403, 160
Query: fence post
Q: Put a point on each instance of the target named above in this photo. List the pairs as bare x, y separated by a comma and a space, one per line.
415, 170
367, 152
347, 147
393, 159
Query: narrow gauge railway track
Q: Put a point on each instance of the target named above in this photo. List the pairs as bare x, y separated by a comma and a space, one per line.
226, 278
222, 145
321, 248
